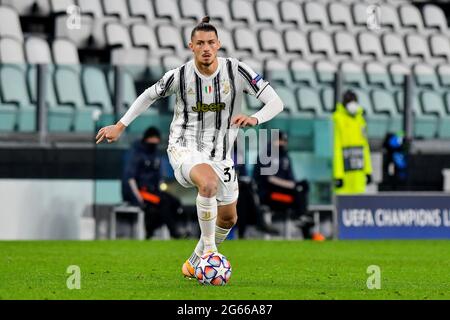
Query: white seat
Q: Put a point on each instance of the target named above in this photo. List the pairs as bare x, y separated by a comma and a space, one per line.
242, 10
394, 48
37, 51
60, 6
370, 46
65, 52
10, 24
340, 16
220, 14
353, 74
169, 9
169, 37
11, 52
292, 12
316, 15
440, 46
143, 8
143, 35
277, 71
297, 44
425, 75
267, 10
377, 74
321, 44
29, 7
417, 46
192, 10
246, 40
118, 8
303, 72
82, 36
325, 71
390, 20
411, 19
345, 44
434, 18
271, 41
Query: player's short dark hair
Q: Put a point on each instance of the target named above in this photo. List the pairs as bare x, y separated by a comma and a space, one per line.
349, 96
204, 25
150, 133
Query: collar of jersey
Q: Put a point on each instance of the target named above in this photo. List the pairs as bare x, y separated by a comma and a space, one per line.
211, 76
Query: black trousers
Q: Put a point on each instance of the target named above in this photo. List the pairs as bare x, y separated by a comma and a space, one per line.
248, 207
166, 212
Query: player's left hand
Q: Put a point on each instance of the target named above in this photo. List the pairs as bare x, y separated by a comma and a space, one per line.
241, 121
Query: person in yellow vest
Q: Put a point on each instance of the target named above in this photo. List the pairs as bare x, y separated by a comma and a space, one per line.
352, 167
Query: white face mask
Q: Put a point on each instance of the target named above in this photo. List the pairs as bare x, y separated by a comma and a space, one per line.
352, 107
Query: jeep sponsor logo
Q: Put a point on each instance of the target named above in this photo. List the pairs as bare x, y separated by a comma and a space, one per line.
204, 107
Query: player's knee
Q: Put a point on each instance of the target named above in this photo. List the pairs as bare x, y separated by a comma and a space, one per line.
228, 222
208, 187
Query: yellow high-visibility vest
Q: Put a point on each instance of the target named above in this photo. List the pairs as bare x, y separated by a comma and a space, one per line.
351, 156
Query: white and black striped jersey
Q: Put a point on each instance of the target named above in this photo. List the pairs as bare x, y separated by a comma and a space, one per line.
205, 105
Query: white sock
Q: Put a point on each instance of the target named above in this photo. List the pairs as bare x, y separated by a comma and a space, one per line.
221, 235
207, 216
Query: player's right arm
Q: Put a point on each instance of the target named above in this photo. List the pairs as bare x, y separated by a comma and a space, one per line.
163, 88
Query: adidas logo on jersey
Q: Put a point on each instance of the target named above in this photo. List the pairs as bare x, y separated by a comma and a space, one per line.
204, 107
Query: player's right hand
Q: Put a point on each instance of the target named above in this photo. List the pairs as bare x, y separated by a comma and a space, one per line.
110, 133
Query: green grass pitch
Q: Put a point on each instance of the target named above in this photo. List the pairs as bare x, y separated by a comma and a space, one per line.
275, 270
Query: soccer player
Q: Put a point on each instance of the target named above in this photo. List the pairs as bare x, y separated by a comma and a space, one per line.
207, 116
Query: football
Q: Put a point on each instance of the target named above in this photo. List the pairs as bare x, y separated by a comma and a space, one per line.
213, 269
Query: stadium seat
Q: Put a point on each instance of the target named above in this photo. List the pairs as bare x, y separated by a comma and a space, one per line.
417, 46
95, 88
411, 19
226, 41
425, 125
11, 52
398, 71
82, 37
378, 124
394, 48
309, 102
288, 97
271, 41
353, 74
192, 10
142, 35
325, 72
122, 50
37, 51
377, 75
443, 72
384, 103
307, 166
425, 76
434, 18
139, 8
433, 103
8, 117
14, 92
242, 10
346, 47
303, 72
10, 24
340, 16
267, 10
169, 9
60, 6
119, 8
65, 52
277, 71
94, 9
440, 47
390, 20
370, 46
292, 12
359, 14
297, 45
60, 117
320, 43
316, 15
219, 11
69, 92
327, 99
246, 40
29, 7
169, 37
129, 89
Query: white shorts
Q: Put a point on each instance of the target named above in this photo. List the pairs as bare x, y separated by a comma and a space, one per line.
183, 159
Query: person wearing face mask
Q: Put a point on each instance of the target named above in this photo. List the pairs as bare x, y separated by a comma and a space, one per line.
141, 185
352, 168
282, 192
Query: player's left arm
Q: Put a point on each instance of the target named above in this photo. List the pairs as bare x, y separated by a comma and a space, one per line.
273, 105
255, 85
